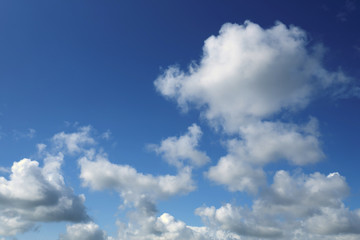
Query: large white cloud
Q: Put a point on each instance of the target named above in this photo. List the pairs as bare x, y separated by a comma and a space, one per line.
33, 194
177, 150
247, 72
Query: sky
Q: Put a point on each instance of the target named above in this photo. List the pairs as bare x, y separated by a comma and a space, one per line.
172, 120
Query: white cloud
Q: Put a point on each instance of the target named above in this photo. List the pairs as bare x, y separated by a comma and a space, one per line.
303, 195
236, 174
293, 207
263, 143
239, 221
248, 73
34, 194
164, 227
99, 174
177, 150
84, 231
74, 142
334, 221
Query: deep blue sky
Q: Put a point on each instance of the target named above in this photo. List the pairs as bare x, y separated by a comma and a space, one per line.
67, 64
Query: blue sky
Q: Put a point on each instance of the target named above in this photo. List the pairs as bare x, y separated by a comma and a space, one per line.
158, 120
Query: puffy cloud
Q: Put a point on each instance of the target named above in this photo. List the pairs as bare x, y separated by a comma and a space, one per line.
73, 142
176, 150
100, 174
303, 195
239, 221
84, 231
262, 143
334, 221
265, 142
293, 207
164, 227
237, 175
247, 73
34, 194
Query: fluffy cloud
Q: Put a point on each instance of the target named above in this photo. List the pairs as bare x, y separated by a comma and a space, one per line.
99, 174
73, 142
84, 231
165, 227
263, 143
293, 207
237, 175
247, 73
239, 221
177, 150
34, 194
303, 195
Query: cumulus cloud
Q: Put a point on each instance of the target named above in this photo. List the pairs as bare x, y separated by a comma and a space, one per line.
164, 227
84, 231
303, 195
247, 72
73, 142
33, 194
99, 174
237, 175
177, 150
293, 207
263, 143
239, 221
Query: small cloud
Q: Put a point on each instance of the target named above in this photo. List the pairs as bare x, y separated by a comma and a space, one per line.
106, 135
29, 134
41, 147
177, 150
4, 170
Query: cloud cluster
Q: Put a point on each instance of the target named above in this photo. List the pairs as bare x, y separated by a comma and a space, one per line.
248, 77
245, 77
307, 205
